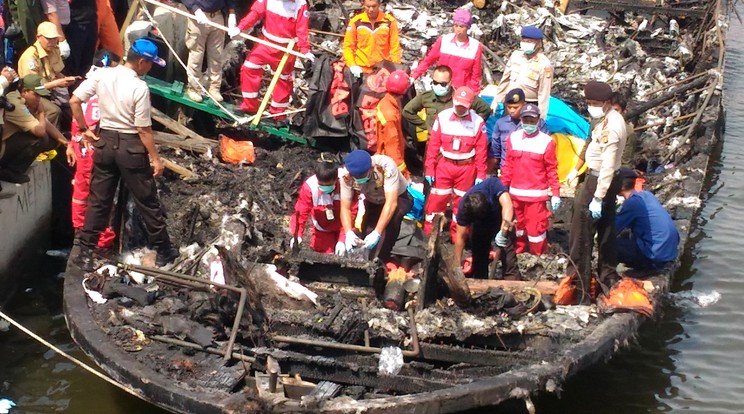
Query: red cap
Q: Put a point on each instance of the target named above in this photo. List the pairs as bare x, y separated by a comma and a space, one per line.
463, 96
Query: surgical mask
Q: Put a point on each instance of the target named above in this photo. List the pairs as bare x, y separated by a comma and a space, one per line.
461, 114
361, 181
527, 47
529, 128
440, 90
328, 189
595, 111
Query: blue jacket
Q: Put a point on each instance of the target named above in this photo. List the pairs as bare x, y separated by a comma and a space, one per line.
492, 188
505, 126
652, 226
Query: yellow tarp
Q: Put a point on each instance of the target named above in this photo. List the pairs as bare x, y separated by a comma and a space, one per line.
567, 150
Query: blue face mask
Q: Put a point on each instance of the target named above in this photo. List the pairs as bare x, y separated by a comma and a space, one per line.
440, 90
328, 189
529, 128
361, 181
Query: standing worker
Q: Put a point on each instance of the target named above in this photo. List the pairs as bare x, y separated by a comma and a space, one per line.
371, 37
386, 202
597, 193
283, 21
202, 38
486, 212
456, 156
459, 51
530, 70
122, 150
513, 103
531, 168
390, 138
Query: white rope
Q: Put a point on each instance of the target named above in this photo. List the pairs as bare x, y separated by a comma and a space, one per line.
74, 360
238, 120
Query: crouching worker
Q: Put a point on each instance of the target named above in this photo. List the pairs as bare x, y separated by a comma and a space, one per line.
486, 214
647, 237
320, 201
386, 202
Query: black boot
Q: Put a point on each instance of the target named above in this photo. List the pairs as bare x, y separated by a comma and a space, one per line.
85, 259
167, 253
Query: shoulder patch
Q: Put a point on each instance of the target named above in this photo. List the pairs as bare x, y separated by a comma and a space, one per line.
32, 64
306, 14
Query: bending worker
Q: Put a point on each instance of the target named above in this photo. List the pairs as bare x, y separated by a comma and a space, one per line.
530, 70
597, 194
647, 237
386, 201
371, 37
459, 51
390, 138
486, 213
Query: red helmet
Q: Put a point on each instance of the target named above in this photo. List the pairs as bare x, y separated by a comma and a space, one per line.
398, 82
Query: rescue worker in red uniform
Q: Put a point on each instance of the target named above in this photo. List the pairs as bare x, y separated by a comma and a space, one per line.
456, 156
320, 201
531, 168
459, 51
84, 166
283, 20
390, 138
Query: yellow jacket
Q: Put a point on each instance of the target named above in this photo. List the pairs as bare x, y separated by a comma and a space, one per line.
369, 42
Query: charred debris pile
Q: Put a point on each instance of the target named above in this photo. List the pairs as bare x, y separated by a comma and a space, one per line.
324, 317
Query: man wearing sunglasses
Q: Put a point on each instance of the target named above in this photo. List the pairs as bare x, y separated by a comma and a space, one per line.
386, 201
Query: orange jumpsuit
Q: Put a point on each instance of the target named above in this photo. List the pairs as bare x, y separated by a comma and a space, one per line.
390, 138
367, 42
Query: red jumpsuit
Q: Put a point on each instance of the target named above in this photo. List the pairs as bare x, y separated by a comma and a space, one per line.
464, 60
455, 157
284, 20
531, 168
324, 210
83, 171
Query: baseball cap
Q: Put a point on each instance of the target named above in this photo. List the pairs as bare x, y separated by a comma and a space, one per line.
530, 110
463, 96
48, 30
36, 83
148, 50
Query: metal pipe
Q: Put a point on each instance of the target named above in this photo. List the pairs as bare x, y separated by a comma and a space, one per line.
414, 352
208, 350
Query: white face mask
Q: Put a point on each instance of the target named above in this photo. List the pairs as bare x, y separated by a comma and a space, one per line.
595, 111
527, 47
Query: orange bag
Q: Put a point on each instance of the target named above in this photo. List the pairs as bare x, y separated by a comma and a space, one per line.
628, 294
566, 293
236, 152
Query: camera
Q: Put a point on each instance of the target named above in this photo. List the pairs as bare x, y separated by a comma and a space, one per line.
13, 86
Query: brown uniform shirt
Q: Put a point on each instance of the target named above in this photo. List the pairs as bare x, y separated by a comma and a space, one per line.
20, 119
534, 75
37, 60
605, 149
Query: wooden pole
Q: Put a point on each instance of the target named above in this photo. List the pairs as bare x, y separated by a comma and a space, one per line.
272, 85
128, 19
174, 126
176, 10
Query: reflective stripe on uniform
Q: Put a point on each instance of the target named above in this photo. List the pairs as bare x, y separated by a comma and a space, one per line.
250, 65
276, 104
250, 95
441, 191
457, 157
277, 39
459, 193
537, 239
528, 193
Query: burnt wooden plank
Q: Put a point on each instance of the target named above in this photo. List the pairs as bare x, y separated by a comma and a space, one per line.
426, 292
640, 7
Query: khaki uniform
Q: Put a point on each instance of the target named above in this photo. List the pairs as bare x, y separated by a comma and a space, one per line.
20, 119
204, 38
605, 150
36, 60
385, 178
533, 75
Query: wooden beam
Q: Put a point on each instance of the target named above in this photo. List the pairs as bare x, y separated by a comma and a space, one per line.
175, 141
184, 172
451, 274
174, 126
482, 285
640, 7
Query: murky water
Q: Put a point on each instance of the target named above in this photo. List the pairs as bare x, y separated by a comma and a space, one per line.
688, 361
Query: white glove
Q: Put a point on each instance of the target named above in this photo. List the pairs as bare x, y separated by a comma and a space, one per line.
500, 239
371, 240
232, 21
233, 32
64, 49
571, 176
555, 202
352, 240
478, 181
497, 106
201, 18
340, 249
292, 241
595, 207
310, 56
356, 71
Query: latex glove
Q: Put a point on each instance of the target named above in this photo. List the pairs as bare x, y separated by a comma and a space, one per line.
500, 239
201, 18
496, 107
64, 49
352, 240
571, 176
429, 179
292, 242
340, 249
478, 181
371, 240
595, 207
233, 32
232, 21
356, 71
310, 56
555, 203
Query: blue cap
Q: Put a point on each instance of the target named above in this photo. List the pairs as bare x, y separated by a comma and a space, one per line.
358, 163
530, 110
148, 50
531, 32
